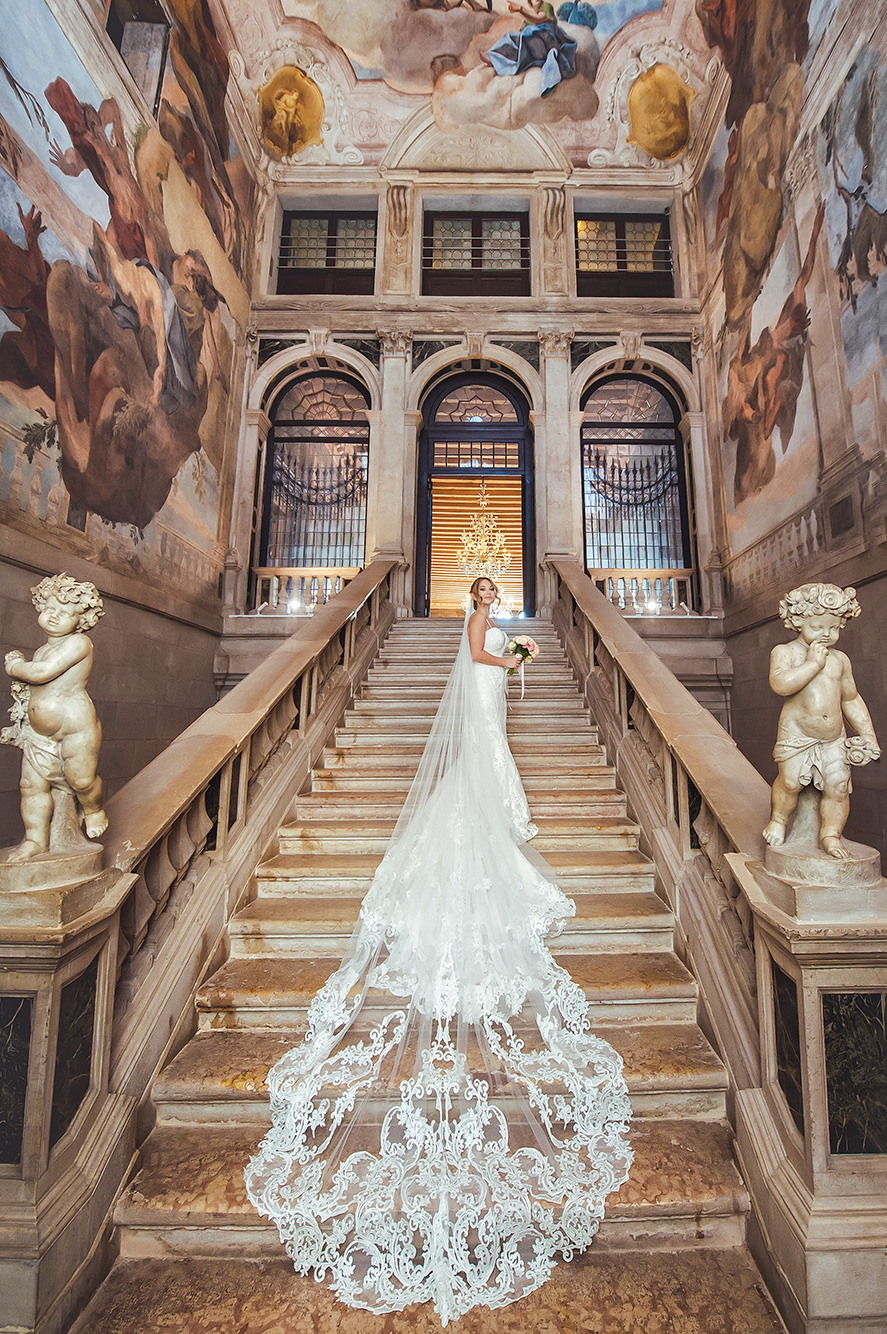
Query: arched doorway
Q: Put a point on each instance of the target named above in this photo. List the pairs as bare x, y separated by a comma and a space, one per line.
313, 484
635, 493
476, 429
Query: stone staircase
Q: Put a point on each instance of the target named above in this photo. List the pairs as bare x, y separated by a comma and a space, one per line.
670, 1255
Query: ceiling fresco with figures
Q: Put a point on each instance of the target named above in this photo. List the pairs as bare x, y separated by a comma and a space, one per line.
622, 82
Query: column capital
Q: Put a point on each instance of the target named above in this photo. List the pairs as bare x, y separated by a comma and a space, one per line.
555, 342
258, 418
394, 342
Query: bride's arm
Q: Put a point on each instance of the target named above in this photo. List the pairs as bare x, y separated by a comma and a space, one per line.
476, 634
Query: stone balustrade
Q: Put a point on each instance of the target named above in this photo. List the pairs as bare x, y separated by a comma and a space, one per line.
98, 979
792, 964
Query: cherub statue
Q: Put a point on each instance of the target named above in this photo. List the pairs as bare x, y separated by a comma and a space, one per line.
817, 682
54, 721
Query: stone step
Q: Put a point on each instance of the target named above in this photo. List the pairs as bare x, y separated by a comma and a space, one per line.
218, 1078
273, 991
555, 834
383, 805
562, 745
706, 1291
571, 720
413, 704
338, 779
433, 675
189, 1197
305, 926
589, 871
586, 757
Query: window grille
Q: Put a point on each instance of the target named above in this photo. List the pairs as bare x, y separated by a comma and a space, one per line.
623, 256
316, 476
327, 253
634, 488
476, 254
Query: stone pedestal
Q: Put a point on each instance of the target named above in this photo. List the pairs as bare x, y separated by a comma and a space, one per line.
58, 965
811, 1138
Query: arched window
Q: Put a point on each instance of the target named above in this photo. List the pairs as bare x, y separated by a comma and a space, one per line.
315, 483
475, 431
634, 488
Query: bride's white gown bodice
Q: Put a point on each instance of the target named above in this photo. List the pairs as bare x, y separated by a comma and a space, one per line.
491, 690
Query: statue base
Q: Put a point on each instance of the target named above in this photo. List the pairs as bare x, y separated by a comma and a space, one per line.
51, 889
806, 883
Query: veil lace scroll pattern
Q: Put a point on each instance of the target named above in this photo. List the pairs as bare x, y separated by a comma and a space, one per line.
449, 1127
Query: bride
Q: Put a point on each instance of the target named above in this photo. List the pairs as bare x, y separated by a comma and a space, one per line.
449, 1127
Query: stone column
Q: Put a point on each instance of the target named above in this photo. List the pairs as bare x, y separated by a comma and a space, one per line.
558, 461
245, 511
392, 483
702, 512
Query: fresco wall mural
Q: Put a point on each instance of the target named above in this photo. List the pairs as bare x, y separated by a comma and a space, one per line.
768, 252
122, 247
853, 178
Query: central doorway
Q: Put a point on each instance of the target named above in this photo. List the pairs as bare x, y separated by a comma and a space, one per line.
475, 429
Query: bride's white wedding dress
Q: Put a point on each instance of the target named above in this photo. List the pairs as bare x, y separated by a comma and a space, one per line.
449, 1127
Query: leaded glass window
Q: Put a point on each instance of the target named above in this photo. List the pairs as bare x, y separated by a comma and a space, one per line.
476, 254
476, 403
327, 252
623, 256
634, 488
316, 475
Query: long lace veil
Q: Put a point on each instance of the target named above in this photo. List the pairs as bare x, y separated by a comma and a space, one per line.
449, 1126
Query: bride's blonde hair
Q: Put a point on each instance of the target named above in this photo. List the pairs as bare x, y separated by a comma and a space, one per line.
474, 590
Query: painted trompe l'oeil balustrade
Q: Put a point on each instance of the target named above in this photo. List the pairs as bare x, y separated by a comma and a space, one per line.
110, 978
811, 1126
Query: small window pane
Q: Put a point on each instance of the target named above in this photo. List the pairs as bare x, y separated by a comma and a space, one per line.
501, 243
305, 248
451, 243
640, 242
596, 241
356, 243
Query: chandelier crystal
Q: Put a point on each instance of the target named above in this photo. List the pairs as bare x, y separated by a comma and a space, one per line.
483, 553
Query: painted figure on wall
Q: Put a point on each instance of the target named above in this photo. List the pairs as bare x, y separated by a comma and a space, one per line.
291, 107
659, 110
540, 42
762, 43
122, 344
26, 355
764, 383
852, 128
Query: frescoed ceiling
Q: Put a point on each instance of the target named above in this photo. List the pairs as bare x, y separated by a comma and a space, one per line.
568, 66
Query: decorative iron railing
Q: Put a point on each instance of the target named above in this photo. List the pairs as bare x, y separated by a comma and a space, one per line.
317, 510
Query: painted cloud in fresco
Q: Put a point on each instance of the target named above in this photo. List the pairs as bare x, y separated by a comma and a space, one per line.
396, 38
474, 94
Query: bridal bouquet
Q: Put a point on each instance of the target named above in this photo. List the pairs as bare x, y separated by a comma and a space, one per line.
523, 647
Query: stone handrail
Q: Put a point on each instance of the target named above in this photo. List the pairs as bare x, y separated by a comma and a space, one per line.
190, 806
694, 794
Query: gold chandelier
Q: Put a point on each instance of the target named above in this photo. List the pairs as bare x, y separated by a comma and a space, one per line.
483, 553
